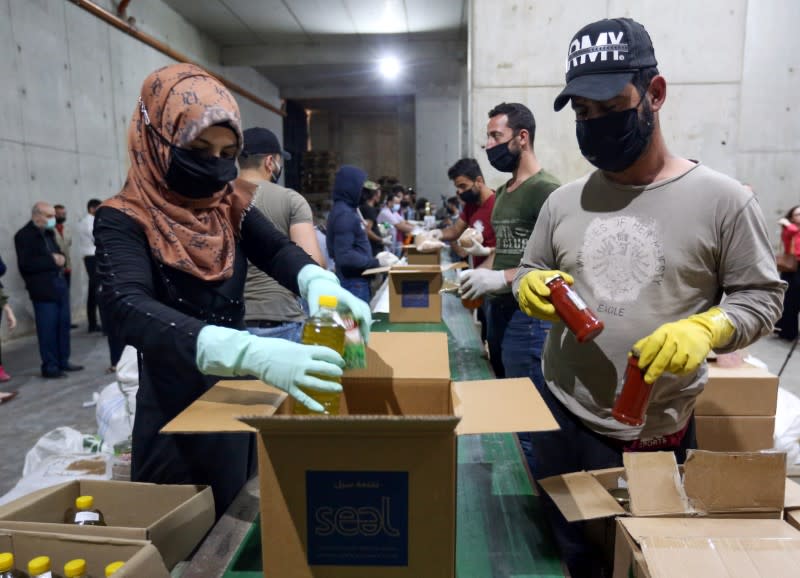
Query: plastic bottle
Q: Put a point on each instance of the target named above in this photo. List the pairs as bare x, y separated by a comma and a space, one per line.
7, 569
113, 567
631, 405
84, 513
39, 567
75, 569
322, 329
572, 310
472, 303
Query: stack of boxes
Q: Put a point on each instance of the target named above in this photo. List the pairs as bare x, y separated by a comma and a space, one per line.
318, 170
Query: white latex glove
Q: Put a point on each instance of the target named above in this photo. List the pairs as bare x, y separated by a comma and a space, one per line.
478, 282
286, 365
387, 240
477, 250
386, 259
429, 246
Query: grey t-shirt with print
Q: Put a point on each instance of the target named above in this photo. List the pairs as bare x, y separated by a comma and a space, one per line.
643, 256
265, 298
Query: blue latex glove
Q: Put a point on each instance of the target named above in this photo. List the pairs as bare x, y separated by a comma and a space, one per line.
286, 365
315, 281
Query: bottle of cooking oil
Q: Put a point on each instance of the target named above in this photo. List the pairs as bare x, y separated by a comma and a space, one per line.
113, 567
84, 513
39, 567
75, 569
322, 329
7, 569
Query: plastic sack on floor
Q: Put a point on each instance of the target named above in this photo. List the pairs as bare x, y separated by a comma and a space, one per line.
787, 426
58, 442
59, 468
116, 404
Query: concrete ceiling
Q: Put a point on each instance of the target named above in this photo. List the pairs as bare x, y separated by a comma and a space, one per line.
331, 48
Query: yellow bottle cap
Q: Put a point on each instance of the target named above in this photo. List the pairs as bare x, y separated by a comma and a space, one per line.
328, 301
113, 567
39, 565
6, 561
75, 568
84, 502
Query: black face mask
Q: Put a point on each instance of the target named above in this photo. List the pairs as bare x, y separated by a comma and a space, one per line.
60, 220
502, 158
615, 141
470, 196
198, 176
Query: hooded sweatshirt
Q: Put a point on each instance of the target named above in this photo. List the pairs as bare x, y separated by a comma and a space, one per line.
347, 239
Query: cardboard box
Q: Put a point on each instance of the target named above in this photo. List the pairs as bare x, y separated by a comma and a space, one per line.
667, 547
416, 257
370, 493
414, 291
174, 518
735, 433
739, 391
141, 558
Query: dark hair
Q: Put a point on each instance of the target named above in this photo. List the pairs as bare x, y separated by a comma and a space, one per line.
519, 116
56, 207
93, 204
465, 167
454, 201
421, 202
642, 78
398, 188
368, 194
252, 161
790, 211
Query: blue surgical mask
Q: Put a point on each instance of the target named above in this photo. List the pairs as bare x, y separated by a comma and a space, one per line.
51, 223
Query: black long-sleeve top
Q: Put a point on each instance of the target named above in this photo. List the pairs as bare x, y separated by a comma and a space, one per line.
160, 311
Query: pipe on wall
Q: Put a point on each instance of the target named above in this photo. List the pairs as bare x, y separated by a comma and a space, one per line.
165, 49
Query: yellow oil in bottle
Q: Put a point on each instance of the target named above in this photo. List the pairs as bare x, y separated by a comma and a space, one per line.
322, 329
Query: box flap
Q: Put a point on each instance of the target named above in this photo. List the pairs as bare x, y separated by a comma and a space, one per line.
351, 425
217, 409
735, 482
721, 557
791, 499
500, 406
579, 496
654, 484
638, 528
416, 268
408, 356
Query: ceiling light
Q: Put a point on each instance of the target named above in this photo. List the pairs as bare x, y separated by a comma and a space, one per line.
389, 67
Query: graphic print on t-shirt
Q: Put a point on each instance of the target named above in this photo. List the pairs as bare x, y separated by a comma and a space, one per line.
621, 256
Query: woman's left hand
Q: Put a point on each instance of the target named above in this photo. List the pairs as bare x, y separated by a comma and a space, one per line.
11, 319
315, 281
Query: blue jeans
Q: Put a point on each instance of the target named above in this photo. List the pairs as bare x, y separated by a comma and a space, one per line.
358, 286
292, 331
52, 329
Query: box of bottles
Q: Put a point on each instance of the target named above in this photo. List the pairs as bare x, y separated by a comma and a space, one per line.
138, 558
371, 492
175, 518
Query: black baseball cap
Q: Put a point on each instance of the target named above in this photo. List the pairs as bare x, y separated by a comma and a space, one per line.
262, 141
603, 57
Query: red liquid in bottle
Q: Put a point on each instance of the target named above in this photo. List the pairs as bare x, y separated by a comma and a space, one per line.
631, 405
575, 314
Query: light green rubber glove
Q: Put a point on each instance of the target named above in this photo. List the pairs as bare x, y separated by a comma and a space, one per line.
315, 281
681, 346
286, 365
533, 296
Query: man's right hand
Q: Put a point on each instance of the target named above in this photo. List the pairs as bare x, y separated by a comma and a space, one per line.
59, 259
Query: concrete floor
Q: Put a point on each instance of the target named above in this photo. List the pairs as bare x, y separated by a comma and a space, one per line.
43, 405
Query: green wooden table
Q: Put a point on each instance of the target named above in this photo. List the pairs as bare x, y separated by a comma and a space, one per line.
501, 532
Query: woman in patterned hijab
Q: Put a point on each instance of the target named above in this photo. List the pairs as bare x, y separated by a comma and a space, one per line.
172, 254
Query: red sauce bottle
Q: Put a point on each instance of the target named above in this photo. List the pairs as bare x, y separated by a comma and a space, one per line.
575, 314
631, 405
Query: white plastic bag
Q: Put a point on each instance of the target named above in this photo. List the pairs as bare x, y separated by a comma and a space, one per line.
787, 426
62, 440
59, 468
116, 404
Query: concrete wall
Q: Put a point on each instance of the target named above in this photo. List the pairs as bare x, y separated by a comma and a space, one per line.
438, 144
70, 84
732, 69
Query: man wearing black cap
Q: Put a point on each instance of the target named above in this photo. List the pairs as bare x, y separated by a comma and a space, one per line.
270, 309
650, 241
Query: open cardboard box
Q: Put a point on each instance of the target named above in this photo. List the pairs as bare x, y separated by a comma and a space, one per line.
414, 291
738, 391
175, 518
416, 257
370, 493
141, 558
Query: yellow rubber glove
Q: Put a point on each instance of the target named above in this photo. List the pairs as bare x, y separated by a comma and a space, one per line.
533, 294
681, 346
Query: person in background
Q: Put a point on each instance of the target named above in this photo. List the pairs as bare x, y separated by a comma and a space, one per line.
86, 246
788, 325
41, 264
270, 309
5, 309
172, 253
64, 240
346, 234
392, 215
650, 241
369, 212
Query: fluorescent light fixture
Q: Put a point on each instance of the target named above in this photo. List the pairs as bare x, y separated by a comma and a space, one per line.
389, 67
